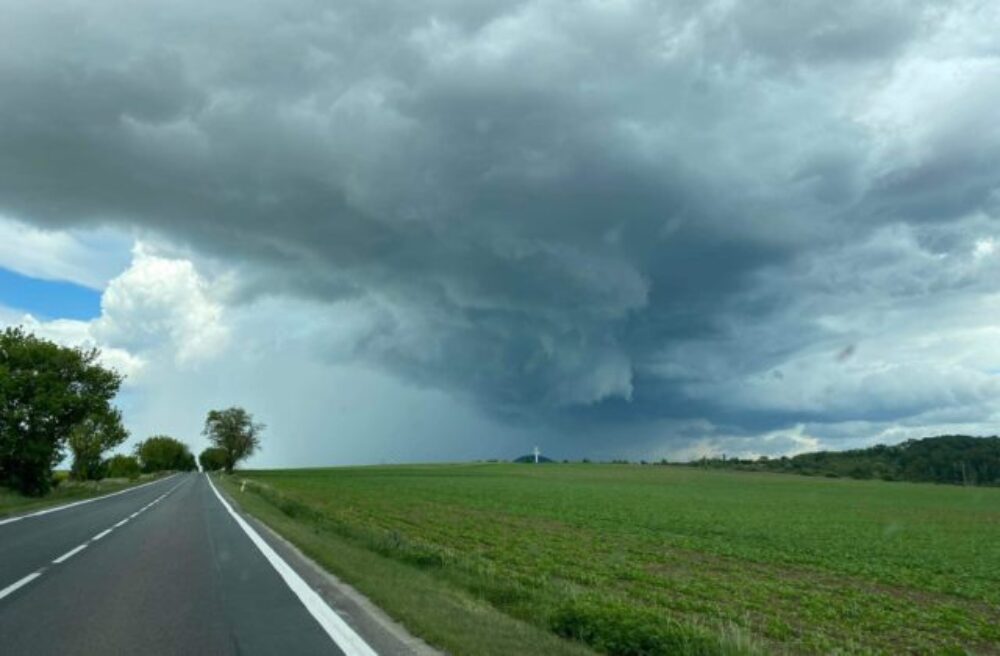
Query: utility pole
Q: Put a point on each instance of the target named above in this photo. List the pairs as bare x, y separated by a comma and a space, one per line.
537, 453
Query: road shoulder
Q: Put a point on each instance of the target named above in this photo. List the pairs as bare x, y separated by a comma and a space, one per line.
386, 636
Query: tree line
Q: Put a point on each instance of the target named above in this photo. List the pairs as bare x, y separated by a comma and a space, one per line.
55, 399
953, 459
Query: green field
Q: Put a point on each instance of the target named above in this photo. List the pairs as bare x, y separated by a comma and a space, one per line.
652, 560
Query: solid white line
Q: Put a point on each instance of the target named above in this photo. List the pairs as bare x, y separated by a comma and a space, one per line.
339, 631
122, 523
69, 554
67, 506
14, 586
100, 535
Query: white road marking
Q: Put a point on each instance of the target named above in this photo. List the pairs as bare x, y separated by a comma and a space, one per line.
122, 523
69, 554
100, 535
339, 631
67, 506
14, 586
75, 550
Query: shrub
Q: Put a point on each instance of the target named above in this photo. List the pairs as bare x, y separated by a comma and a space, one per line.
622, 629
212, 459
122, 466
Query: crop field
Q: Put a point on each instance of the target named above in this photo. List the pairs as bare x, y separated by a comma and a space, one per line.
660, 560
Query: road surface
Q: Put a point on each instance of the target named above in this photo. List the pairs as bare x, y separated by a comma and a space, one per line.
166, 568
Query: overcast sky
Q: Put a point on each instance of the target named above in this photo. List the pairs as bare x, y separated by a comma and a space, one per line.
433, 230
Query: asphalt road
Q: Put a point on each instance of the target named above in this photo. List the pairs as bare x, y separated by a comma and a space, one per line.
163, 569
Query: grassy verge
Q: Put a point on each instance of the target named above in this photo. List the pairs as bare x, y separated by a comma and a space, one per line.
13, 503
659, 560
443, 615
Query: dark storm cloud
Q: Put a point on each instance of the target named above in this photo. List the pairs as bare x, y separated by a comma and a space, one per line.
820, 32
559, 209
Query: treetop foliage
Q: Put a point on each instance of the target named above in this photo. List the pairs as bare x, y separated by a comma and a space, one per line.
164, 453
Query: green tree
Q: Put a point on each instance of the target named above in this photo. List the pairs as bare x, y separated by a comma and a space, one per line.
212, 459
46, 390
90, 439
956, 459
122, 466
164, 453
235, 432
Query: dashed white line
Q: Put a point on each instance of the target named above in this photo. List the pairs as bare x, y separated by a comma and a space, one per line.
101, 534
69, 554
75, 550
14, 586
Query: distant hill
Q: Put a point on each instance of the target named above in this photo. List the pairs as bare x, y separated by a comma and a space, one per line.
531, 458
954, 459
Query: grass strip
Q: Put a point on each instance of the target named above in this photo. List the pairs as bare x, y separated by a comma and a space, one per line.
14, 503
444, 616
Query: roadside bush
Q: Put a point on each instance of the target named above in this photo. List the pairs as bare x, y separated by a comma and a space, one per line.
212, 459
624, 630
395, 545
122, 466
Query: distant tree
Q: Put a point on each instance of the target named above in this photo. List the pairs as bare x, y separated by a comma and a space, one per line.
46, 390
235, 432
955, 459
164, 453
122, 466
90, 439
212, 459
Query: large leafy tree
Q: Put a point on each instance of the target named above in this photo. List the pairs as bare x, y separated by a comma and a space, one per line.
235, 432
46, 391
90, 439
164, 453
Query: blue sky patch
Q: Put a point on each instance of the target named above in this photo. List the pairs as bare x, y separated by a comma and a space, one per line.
48, 299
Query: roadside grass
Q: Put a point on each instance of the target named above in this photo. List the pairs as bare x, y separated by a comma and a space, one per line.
67, 491
448, 618
652, 560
